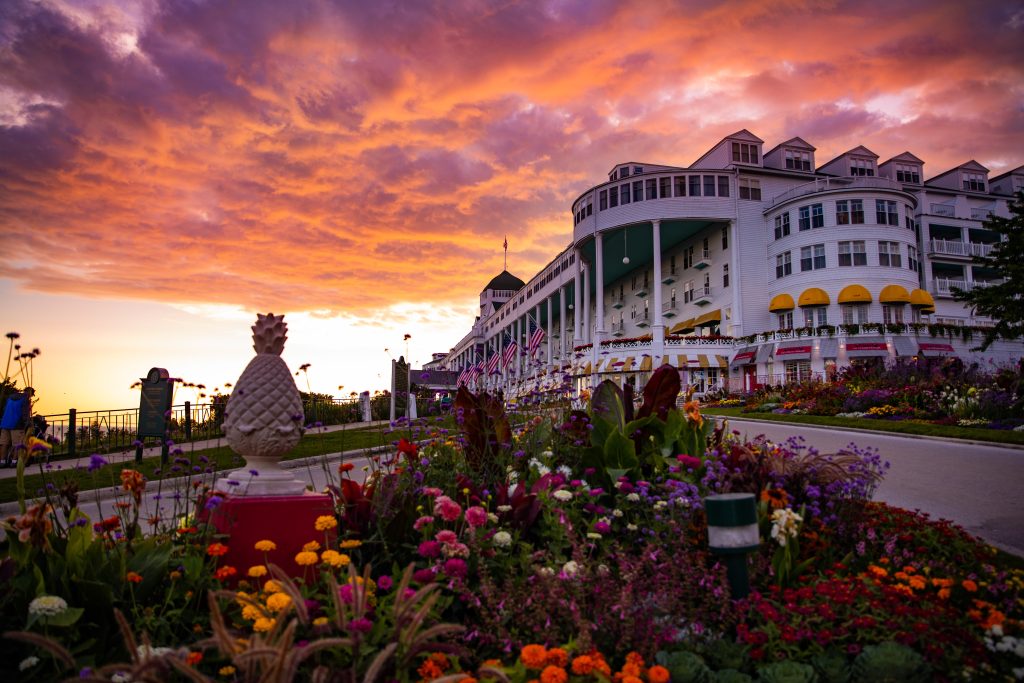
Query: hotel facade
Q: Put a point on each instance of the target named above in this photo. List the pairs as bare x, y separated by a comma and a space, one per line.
748, 267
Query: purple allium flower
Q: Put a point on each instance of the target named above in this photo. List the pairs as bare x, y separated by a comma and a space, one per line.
212, 502
96, 462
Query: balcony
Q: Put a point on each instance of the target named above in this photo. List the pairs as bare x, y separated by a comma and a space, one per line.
982, 213
669, 277
642, 319
617, 301
618, 328
702, 296
704, 260
947, 210
958, 248
826, 184
670, 310
943, 286
643, 290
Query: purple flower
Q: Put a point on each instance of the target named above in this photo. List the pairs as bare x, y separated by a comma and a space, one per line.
429, 549
384, 582
212, 502
456, 568
96, 462
360, 625
602, 527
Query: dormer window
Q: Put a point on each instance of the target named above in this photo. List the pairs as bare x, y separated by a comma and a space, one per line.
908, 174
614, 175
862, 167
745, 153
624, 172
974, 181
798, 160
638, 169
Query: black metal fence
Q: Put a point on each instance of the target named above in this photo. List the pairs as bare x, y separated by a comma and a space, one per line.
75, 433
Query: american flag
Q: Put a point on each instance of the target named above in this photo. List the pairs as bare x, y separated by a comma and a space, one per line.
535, 340
492, 364
510, 353
474, 372
463, 376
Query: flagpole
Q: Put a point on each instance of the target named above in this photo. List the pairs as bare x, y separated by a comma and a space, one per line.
505, 264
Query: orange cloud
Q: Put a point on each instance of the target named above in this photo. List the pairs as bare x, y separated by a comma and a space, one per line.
342, 157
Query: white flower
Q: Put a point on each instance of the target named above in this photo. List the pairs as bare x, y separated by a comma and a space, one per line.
631, 527
785, 525
616, 513
502, 539
660, 504
618, 484
504, 508
570, 568
28, 663
593, 536
633, 497
546, 571
602, 570
565, 471
47, 606
546, 454
492, 518
121, 677
562, 495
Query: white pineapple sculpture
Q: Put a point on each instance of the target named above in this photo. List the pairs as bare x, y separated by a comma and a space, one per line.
263, 418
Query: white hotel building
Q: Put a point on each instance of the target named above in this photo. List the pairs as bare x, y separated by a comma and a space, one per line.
750, 267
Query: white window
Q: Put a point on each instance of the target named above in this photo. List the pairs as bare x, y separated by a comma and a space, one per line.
853, 253
855, 314
812, 257
786, 320
725, 238
908, 174
745, 153
688, 292
750, 188
782, 225
815, 316
974, 181
797, 371
798, 159
889, 254
783, 265
886, 212
912, 262
811, 216
892, 313
725, 275
860, 166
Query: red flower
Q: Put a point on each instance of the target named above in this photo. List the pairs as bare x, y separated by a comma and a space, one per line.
133, 577
225, 572
410, 450
216, 549
345, 467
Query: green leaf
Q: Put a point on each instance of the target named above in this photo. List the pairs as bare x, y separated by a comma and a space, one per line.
601, 431
67, 618
607, 404
619, 452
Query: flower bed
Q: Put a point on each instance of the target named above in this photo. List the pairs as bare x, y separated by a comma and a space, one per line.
558, 545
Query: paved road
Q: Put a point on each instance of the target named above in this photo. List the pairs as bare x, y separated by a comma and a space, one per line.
979, 486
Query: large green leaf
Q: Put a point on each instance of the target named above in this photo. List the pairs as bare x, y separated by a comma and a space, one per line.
602, 429
619, 452
607, 404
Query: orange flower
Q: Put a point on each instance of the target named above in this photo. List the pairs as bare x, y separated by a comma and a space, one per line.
194, 658
631, 679
345, 467
969, 586
553, 674
133, 482
582, 665
224, 572
534, 656
133, 577
216, 549
658, 674
429, 670
776, 498
630, 670
692, 410
558, 657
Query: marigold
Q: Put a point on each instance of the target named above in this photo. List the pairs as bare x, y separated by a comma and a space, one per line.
558, 657
534, 656
225, 572
272, 586
969, 586
429, 670
263, 624
351, 543
325, 522
194, 658
335, 559
630, 679
658, 674
311, 547
635, 659
630, 670
133, 577
256, 571
306, 558
553, 674
251, 612
278, 602
265, 546
582, 665
468, 679
216, 549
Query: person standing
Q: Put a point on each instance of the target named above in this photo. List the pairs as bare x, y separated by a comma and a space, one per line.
16, 419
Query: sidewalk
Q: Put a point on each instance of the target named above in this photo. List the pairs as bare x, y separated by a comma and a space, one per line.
128, 455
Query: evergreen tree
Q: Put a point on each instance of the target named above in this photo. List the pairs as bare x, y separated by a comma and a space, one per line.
1003, 302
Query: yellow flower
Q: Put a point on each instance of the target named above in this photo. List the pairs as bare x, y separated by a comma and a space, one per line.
320, 621
265, 546
272, 586
335, 559
227, 671
325, 522
257, 571
306, 558
263, 624
251, 612
350, 544
278, 602
311, 547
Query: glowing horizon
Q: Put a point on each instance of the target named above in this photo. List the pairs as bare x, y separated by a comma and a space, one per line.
169, 169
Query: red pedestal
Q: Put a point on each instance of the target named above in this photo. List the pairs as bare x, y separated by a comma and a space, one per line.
288, 521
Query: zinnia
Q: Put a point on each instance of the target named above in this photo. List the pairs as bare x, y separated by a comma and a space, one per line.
306, 558
534, 656
325, 522
476, 516
447, 509
265, 546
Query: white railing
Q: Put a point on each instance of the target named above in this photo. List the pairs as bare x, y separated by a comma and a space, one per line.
619, 327
826, 184
943, 286
958, 248
947, 210
642, 319
669, 309
981, 214
702, 295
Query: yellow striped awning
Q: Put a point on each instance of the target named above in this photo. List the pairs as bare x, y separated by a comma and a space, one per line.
723, 361
815, 296
685, 326
703, 360
919, 297
708, 318
587, 369
894, 294
628, 364
855, 294
781, 302
646, 363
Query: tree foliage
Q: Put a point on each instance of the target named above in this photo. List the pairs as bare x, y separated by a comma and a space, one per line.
1003, 302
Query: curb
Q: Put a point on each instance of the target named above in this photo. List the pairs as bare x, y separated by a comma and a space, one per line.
835, 428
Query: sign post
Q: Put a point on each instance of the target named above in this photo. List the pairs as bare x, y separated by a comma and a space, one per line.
364, 404
155, 410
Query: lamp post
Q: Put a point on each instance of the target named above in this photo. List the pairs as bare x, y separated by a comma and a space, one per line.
732, 533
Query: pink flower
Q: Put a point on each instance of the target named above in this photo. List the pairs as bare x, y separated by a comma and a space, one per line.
345, 593
384, 582
447, 509
446, 536
422, 522
455, 550
602, 527
476, 516
689, 461
429, 549
431, 491
360, 625
421, 576
455, 568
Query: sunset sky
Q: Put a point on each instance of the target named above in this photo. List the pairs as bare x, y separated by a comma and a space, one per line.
168, 169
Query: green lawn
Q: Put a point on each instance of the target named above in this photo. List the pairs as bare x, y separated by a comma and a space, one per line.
220, 458
896, 427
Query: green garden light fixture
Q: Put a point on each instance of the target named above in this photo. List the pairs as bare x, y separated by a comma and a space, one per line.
732, 533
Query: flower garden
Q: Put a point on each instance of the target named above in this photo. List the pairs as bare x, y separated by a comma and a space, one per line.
942, 393
547, 546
